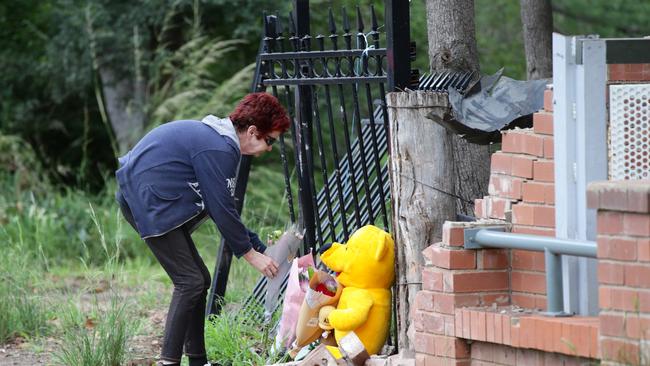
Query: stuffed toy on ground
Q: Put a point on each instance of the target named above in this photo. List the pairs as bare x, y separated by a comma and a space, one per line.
366, 270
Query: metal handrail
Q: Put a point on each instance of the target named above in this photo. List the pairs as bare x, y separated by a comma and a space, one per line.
553, 248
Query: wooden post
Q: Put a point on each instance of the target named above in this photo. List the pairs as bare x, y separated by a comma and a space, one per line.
421, 177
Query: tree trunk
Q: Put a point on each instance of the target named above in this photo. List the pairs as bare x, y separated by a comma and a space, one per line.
537, 21
124, 99
451, 33
452, 46
419, 180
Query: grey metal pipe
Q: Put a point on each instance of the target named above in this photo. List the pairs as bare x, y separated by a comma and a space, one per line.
497, 239
553, 248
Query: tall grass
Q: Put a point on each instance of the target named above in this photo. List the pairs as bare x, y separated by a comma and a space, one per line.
96, 338
23, 311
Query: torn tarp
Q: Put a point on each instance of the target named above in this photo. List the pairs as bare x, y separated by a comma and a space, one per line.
494, 103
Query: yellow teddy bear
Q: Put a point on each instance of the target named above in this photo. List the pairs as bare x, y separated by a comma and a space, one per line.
366, 270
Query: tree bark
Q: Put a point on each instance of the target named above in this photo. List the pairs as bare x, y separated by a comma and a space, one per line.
452, 46
451, 33
537, 22
419, 180
124, 99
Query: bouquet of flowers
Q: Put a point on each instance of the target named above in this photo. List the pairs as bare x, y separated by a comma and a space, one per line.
321, 289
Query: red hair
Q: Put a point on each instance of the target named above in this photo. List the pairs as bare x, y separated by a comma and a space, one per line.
261, 110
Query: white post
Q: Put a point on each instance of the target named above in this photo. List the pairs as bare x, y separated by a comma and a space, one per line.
564, 131
591, 146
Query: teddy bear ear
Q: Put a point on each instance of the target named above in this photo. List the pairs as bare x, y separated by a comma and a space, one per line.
382, 247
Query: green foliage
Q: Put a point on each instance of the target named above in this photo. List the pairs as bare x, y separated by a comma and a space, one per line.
231, 339
23, 311
97, 338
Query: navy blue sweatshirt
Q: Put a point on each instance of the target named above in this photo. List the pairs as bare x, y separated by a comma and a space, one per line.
180, 169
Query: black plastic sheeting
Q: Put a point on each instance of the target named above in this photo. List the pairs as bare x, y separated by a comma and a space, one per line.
491, 104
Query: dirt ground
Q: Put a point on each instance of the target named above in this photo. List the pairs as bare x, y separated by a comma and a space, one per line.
143, 349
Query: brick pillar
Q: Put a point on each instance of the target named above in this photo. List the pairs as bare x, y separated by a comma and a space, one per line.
454, 278
623, 269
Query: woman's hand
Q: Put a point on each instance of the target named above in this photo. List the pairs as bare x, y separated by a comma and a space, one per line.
267, 266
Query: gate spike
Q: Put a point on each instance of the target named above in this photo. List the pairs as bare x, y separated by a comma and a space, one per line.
374, 18
331, 21
292, 24
359, 20
346, 21
278, 26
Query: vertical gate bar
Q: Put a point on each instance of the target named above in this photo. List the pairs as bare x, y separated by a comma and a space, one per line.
337, 164
375, 151
399, 42
275, 33
323, 162
357, 112
346, 130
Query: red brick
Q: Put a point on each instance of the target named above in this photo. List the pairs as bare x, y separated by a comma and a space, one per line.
424, 343
453, 234
543, 123
505, 327
451, 258
505, 186
637, 276
612, 273
637, 327
489, 327
475, 325
534, 192
448, 303
643, 250
609, 222
636, 224
616, 248
534, 145
522, 166
494, 259
458, 323
528, 282
543, 171
432, 279
512, 142
501, 163
498, 328
549, 194
549, 152
497, 207
482, 329
451, 347
544, 216
500, 299
477, 282
612, 325
514, 332
467, 323
548, 100
523, 214
527, 300
424, 300
527, 260
619, 351
483, 351
505, 356
433, 323
533, 230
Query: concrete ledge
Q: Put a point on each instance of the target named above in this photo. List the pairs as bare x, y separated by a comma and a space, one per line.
620, 195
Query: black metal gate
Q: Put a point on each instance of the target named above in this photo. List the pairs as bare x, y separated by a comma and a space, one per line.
334, 88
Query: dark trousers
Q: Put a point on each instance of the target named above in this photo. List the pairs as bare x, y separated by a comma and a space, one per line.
177, 254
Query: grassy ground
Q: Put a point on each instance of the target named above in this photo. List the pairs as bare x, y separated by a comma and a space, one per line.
79, 287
